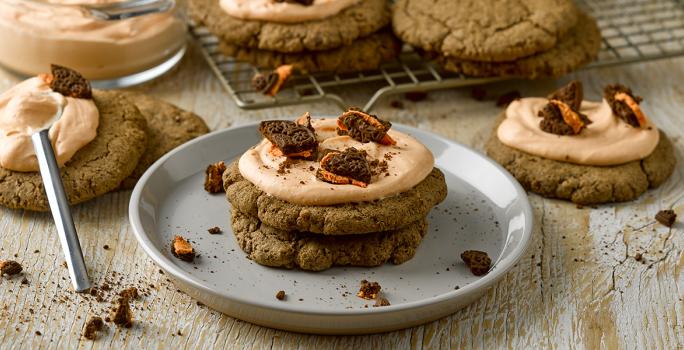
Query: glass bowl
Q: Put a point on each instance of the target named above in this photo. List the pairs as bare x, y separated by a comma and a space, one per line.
112, 43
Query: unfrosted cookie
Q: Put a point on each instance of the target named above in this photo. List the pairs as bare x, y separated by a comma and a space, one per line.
354, 218
270, 246
362, 54
585, 184
96, 169
483, 30
167, 127
578, 47
354, 22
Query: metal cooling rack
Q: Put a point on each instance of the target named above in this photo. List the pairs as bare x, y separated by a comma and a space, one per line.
632, 30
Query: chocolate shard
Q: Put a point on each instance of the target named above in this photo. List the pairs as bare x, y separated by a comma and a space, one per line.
364, 127
292, 139
619, 106
342, 167
571, 94
69, 83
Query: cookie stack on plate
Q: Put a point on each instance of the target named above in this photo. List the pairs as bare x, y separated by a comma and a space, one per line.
490, 38
119, 135
327, 192
313, 36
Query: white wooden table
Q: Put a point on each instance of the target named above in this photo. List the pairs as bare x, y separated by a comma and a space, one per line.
579, 285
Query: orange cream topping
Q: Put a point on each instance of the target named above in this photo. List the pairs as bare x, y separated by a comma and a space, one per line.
606, 141
408, 163
285, 12
30, 106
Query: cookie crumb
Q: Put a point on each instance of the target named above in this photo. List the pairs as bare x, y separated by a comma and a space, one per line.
280, 295
215, 230
93, 326
105, 247
369, 290
478, 262
416, 96
478, 93
396, 104
638, 257
130, 293
39, 333
69, 82
10, 267
182, 249
381, 301
121, 313
505, 99
666, 217
213, 183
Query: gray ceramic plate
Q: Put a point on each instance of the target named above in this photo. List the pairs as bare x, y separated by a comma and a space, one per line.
486, 209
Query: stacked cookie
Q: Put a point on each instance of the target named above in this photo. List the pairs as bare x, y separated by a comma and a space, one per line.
486, 38
332, 192
313, 36
121, 135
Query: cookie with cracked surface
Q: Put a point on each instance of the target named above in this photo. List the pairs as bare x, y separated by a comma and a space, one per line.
167, 127
580, 46
354, 218
94, 170
362, 54
270, 246
352, 23
585, 184
484, 30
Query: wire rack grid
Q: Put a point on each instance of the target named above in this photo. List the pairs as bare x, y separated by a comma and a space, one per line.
632, 31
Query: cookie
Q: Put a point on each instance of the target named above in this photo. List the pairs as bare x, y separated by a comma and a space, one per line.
167, 128
584, 184
366, 53
97, 168
577, 48
270, 246
354, 218
342, 29
484, 30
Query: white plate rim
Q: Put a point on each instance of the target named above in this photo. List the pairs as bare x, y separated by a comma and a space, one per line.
498, 271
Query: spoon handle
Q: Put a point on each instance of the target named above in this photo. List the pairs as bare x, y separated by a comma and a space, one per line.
59, 205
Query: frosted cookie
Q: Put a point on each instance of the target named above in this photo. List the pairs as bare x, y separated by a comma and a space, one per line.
167, 128
98, 141
270, 246
484, 30
589, 153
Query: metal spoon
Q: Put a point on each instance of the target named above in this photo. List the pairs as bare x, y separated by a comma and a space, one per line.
59, 205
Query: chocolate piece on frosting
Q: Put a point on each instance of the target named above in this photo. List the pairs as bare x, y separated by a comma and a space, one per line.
69, 83
624, 104
562, 114
364, 127
270, 84
301, 2
290, 139
347, 167
571, 94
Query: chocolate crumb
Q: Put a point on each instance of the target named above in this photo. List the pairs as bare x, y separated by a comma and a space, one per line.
93, 326
666, 217
280, 295
381, 302
638, 257
478, 262
396, 104
129, 293
182, 249
39, 333
213, 183
478, 93
505, 99
368, 290
105, 247
215, 230
416, 96
24, 281
121, 313
10, 267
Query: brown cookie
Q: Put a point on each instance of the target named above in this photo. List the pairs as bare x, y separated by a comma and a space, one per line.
97, 168
386, 214
585, 184
578, 47
270, 246
342, 29
167, 128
